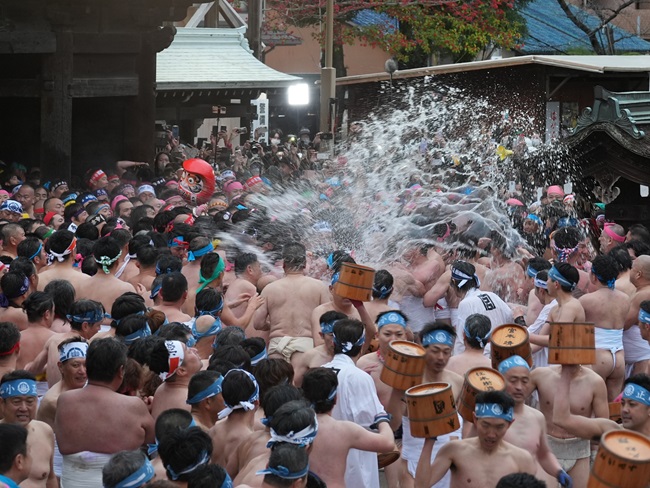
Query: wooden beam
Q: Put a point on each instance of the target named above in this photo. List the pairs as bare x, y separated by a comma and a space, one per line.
107, 43
103, 87
20, 88
27, 42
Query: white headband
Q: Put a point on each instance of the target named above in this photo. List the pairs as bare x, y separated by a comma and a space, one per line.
73, 350
176, 356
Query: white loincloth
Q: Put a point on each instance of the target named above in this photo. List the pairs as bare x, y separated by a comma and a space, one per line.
83, 469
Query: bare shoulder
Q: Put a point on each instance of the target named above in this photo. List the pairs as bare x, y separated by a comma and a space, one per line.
367, 360
41, 428
534, 415
520, 455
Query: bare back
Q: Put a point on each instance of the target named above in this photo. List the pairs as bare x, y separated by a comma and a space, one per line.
32, 342
104, 289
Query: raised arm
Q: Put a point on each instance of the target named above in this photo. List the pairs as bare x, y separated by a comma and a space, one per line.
229, 318
364, 440
427, 473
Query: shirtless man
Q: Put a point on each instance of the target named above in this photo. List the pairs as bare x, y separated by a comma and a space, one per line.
611, 236
565, 246
438, 340
506, 276
199, 247
12, 235
336, 437
607, 309
562, 280
248, 271
16, 287
20, 400
637, 351
240, 393
146, 257
61, 246
472, 461
535, 265
72, 366
322, 354
540, 322
33, 249
205, 399
104, 287
17, 462
476, 335
175, 363
338, 304
9, 347
173, 293
624, 264
289, 304
529, 429
86, 439
588, 397
382, 289
86, 317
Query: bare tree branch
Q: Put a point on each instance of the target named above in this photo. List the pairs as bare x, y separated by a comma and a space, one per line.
583, 27
613, 15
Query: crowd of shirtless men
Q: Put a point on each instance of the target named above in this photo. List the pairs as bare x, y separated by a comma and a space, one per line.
137, 350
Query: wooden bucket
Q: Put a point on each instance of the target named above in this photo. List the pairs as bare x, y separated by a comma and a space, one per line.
571, 343
476, 381
615, 412
510, 340
431, 410
403, 365
355, 282
622, 461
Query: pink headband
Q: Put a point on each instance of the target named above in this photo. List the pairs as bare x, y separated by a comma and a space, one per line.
4, 192
555, 190
610, 232
233, 185
117, 200
97, 175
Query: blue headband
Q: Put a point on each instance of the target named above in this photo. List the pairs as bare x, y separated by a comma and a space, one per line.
214, 329
480, 340
610, 283
644, 317
20, 387
458, 275
541, 283
256, 359
330, 261
531, 272
555, 275
493, 410
88, 198
535, 219
327, 327
153, 448
513, 362
155, 290
246, 405
335, 278
213, 390
144, 474
347, 346
38, 251
383, 292
391, 318
636, 393
92, 317
227, 482
438, 336
284, 473
205, 458
192, 255
138, 334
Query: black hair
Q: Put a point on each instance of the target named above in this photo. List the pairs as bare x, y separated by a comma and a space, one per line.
170, 421
207, 299
294, 255
37, 304
478, 326
243, 260
221, 367
87, 230
382, 286
17, 374
231, 335
331, 316
567, 237
292, 457
271, 372
173, 286
348, 330
539, 264
293, 416
208, 264
645, 305
200, 381
520, 480
147, 256
468, 269
11, 284
107, 248
63, 294
501, 398
207, 476
237, 387
121, 465
130, 324
9, 337
104, 359
81, 308
174, 331
436, 325
182, 449
276, 396
253, 346
338, 258
640, 248
28, 247
317, 386
640, 379
234, 354
640, 232
605, 269
167, 263
622, 258
24, 266
126, 304
13, 438
569, 273
59, 242
398, 312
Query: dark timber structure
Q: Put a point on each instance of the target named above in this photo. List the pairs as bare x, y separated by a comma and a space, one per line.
77, 84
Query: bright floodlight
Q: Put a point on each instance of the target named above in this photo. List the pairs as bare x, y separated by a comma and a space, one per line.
298, 94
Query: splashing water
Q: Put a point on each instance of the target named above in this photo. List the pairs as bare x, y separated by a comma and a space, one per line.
443, 141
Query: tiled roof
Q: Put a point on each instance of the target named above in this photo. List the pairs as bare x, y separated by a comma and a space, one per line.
550, 31
212, 59
370, 18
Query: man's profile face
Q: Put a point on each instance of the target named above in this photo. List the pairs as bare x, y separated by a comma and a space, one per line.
20, 409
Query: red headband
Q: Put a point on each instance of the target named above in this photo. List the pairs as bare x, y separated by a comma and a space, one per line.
12, 350
610, 232
97, 175
48, 217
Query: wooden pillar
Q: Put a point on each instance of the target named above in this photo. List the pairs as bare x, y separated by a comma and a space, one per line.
56, 110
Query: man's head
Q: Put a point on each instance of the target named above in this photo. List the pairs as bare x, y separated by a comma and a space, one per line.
294, 256
127, 468
183, 451
107, 251
604, 270
391, 326
348, 337
204, 391
15, 462
72, 362
9, 341
12, 235
240, 391
463, 276
635, 404
643, 319
438, 340
25, 196
291, 418
493, 414
39, 307
327, 321
86, 317
54, 205
288, 467
271, 372
19, 397
565, 243
279, 395
247, 265
612, 236
640, 272
520, 480
516, 372
61, 245
105, 361
174, 287
173, 360
319, 386
382, 286
638, 232
477, 331
562, 278
11, 210
33, 249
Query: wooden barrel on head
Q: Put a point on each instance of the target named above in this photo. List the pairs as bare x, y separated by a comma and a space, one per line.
403, 365
476, 381
571, 343
355, 282
510, 340
431, 410
622, 461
